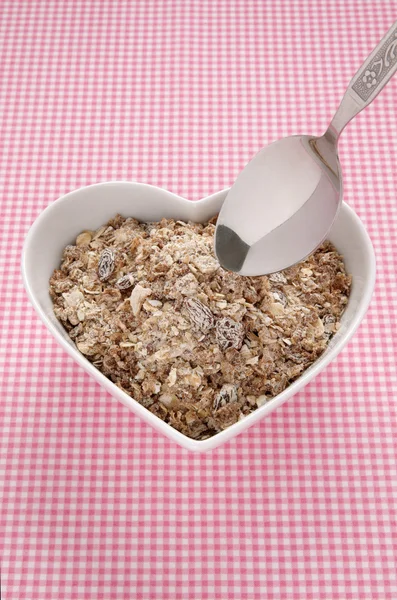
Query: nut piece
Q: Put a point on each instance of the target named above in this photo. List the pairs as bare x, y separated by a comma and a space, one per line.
172, 377
73, 298
277, 277
84, 238
280, 297
200, 315
86, 348
106, 264
229, 334
125, 282
319, 328
138, 297
227, 395
206, 264
168, 399
261, 401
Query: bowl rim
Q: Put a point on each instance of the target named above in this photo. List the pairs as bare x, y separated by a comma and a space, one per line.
160, 425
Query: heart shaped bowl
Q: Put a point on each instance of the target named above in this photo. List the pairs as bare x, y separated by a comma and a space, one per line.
92, 206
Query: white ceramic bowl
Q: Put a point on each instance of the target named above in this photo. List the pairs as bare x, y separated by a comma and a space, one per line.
90, 207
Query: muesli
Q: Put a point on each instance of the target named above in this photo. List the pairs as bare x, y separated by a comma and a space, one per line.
149, 305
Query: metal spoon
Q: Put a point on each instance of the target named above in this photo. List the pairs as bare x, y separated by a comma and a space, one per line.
284, 202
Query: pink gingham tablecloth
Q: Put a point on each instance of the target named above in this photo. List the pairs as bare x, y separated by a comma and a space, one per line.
180, 94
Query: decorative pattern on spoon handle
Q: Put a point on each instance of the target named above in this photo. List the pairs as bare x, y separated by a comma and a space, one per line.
378, 68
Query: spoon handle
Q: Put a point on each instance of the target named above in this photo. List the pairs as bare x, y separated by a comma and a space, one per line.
369, 80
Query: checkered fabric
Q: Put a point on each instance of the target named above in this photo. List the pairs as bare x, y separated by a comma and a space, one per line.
180, 94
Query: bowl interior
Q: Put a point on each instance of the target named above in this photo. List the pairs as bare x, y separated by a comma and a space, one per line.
91, 207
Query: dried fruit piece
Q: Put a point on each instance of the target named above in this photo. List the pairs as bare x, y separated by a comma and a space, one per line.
106, 264
200, 315
227, 395
229, 334
329, 323
138, 297
328, 319
125, 282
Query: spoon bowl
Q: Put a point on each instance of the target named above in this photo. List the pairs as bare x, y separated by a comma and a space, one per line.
294, 189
